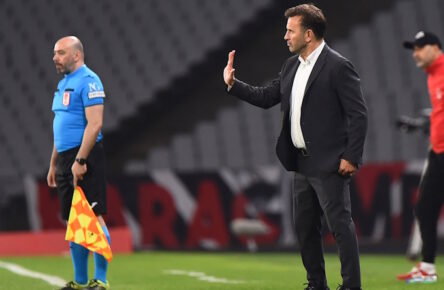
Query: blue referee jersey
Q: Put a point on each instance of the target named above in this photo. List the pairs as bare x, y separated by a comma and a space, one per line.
76, 91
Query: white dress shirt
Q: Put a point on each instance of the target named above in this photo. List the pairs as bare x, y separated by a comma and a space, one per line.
297, 94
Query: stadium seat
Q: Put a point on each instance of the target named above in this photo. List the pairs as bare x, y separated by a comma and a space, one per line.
137, 47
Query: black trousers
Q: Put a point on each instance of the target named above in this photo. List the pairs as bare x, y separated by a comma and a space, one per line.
431, 198
328, 195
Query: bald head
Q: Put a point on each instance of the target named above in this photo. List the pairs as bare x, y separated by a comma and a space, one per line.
68, 54
72, 42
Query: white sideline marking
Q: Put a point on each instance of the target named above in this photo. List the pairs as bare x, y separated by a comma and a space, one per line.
19, 270
202, 276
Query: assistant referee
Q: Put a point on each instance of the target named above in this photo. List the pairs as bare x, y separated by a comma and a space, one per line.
78, 157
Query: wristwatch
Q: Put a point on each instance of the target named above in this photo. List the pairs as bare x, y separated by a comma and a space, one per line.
81, 161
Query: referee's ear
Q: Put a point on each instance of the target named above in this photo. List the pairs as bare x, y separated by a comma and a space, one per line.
78, 56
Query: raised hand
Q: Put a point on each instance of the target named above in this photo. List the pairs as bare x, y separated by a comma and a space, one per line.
229, 70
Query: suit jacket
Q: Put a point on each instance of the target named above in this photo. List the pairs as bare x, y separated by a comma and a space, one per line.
333, 113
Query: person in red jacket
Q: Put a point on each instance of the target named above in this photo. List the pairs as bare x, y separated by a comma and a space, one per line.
428, 55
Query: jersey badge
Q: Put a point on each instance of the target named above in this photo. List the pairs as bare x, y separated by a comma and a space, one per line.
66, 98
95, 91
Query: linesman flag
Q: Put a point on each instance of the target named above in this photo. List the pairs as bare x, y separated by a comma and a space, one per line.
84, 227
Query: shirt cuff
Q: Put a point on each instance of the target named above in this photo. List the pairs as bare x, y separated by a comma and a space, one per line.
230, 87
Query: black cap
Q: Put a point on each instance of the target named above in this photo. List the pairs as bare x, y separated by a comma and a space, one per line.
422, 38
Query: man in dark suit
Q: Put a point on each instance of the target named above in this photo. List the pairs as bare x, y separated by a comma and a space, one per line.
322, 139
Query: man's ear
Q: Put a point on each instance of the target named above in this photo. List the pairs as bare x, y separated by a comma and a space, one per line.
308, 35
77, 55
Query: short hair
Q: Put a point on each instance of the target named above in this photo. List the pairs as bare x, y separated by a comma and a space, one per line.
312, 18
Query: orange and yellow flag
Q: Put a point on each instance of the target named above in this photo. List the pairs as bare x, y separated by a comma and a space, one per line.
84, 227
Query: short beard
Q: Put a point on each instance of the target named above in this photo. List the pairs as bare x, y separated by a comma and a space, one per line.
421, 64
63, 70
300, 49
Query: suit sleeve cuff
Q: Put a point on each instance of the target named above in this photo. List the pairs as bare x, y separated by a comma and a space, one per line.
229, 88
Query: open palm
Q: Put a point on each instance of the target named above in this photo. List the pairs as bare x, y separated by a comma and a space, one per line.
229, 70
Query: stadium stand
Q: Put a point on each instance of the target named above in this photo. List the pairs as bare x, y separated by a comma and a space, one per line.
139, 47
392, 85
161, 64
142, 47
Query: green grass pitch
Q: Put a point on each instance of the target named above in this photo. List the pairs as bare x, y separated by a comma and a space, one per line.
263, 271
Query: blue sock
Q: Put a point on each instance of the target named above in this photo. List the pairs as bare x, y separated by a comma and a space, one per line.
101, 264
79, 256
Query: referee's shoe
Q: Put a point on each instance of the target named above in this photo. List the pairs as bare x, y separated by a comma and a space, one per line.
95, 284
72, 285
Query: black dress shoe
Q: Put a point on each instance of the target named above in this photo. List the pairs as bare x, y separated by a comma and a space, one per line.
340, 287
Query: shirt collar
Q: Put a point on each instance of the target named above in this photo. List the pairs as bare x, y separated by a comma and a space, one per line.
439, 62
313, 57
81, 68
